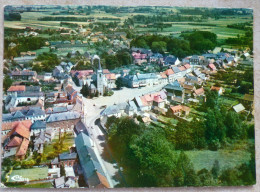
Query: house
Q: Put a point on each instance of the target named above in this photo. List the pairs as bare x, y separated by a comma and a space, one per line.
57, 71
212, 67
59, 182
188, 88
171, 60
37, 127
238, 108
33, 114
80, 127
178, 110
68, 159
175, 92
27, 75
8, 126
220, 90
16, 88
62, 121
39, 142
199, 92
92, 170
194, 60
158, 101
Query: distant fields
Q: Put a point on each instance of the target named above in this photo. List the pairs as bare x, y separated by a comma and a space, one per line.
30, 19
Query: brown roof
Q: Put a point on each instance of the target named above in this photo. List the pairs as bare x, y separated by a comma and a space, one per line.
163, 75
186, 86
103, 180
11, 125
199, 91
16, 141
215, 88
176, 108
182, 68
187, 66
111, 76
17, 88
21, 129
23, 148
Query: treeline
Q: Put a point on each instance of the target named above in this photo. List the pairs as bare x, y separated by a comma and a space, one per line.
160, 18
149, 159
48, 62
241, 26
108, 18
121, 58
79, 19
193, 43
23, 44
71, 25
245, 40
12, 17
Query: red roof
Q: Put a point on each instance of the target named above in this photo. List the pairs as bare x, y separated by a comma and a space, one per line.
144, 101
169, 72
11, 125
21, 129
23, 148
163, 75
158, 99
16, 88
16, 141
212, 66
111, 76
106, 71
187, 66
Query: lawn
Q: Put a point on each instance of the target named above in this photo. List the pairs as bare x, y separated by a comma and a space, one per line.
227, 158
31, 174
38, 185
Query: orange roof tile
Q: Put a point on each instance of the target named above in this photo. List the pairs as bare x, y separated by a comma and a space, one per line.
176, 108
213, 88
187, 66
11, 125
169, 72
21, 129
163, 75
199, 91
16, 141
103, 180
23, 148
16, 88
111, 76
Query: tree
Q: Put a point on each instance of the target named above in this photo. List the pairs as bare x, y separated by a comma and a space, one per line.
154, 158
119, 83
184, 173
62, 170
215, 169
159, 46
84, 90
234, 125
7, 82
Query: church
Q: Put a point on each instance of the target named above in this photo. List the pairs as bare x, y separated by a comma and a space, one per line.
99, 85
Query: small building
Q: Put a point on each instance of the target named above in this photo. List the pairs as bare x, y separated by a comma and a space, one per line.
238, 108
178, 110
59, 182
219, 90
68, 159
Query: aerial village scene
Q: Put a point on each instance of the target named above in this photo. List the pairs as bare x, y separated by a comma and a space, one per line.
108, 97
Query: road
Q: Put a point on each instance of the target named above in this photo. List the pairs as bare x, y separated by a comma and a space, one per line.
92, 113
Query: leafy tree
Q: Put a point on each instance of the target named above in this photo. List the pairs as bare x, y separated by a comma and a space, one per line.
205, 178
215, 169
184, 173
154, 158
119, 83
159, 46
7, 82
84, 90
62, 170
233, 125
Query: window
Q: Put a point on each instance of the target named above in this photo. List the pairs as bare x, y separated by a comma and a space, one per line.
28, 99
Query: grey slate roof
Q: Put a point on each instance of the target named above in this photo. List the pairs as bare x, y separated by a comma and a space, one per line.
111, 110
80, 127
67, 156
39, 125
59, 109
88, 160
63, 116
174, 86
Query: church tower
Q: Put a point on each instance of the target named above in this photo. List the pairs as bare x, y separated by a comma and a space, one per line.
100, 76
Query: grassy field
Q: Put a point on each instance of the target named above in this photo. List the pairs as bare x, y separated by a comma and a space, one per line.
227, 158
38, 185
34, 173
30, 19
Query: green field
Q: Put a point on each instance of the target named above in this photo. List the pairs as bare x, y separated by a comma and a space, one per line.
227, 158
31, 174
30, 19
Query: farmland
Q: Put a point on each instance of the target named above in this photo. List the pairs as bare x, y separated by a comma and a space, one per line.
218, 26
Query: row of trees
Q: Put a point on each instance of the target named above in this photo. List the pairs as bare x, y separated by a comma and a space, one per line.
150, 160
48, 62
194, 43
